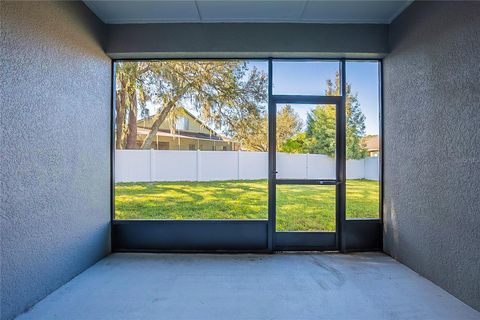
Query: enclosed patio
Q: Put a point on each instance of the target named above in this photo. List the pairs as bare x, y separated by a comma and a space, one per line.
229, 159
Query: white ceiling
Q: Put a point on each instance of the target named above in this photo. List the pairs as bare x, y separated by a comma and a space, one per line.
303, 11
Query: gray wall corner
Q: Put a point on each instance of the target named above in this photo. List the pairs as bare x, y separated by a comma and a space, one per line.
432, 139
55, 148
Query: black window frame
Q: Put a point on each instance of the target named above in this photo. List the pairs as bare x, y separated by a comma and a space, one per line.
236, 235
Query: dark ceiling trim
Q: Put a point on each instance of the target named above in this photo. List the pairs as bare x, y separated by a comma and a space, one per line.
237, 40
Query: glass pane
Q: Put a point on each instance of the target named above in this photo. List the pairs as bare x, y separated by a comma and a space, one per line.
363, 148
305, 208
306, 141
306, 78
191, 139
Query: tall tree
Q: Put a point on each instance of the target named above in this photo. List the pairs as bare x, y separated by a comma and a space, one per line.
321, 130
288, 125
220, 91
320, 133
130, 97
295, 144
252, 131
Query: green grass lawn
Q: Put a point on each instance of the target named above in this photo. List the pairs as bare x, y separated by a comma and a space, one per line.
299, 207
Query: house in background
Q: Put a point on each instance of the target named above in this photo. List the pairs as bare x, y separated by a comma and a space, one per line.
372, 144
189, 133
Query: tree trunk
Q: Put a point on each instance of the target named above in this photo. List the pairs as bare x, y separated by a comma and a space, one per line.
161, 117
156, 125
132, 124
120, 119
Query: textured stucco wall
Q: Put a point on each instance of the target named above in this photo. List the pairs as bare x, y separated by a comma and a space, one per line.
54, 172
432, 144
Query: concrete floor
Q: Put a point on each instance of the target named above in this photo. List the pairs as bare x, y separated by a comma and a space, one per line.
281, 286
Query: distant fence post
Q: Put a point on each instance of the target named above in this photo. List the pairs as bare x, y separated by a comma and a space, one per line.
238, 165
306, 166
365, 168
152, 164
371, 168
197, 170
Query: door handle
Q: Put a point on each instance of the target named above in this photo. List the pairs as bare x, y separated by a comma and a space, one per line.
330, 183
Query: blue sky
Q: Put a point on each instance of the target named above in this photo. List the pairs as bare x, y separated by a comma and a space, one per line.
309, 78
363, 76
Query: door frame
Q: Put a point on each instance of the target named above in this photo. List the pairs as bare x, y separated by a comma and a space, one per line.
256, 236
317, 240
309, 240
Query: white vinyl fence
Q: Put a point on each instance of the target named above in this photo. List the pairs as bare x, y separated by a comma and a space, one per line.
176, 165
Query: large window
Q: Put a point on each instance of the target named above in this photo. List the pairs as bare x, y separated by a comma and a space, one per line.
191, 139
363, 139
309, 77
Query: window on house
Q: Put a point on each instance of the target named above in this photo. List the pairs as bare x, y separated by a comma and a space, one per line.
163, 145
182, 124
